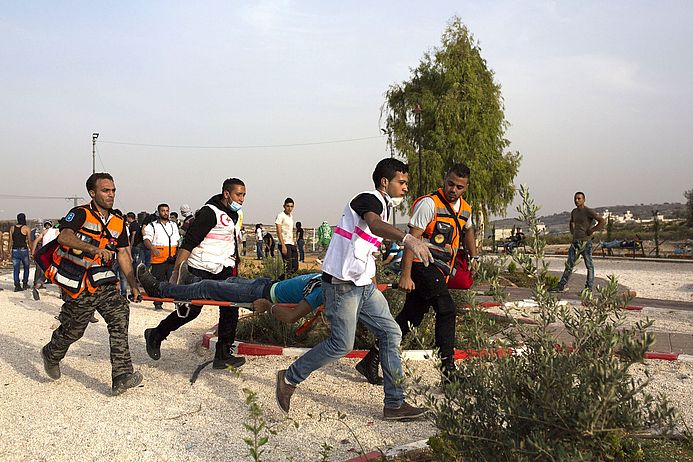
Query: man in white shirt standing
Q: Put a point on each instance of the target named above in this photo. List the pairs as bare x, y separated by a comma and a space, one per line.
285, 234
162, 238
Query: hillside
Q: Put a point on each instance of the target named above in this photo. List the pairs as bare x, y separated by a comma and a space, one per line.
558, 222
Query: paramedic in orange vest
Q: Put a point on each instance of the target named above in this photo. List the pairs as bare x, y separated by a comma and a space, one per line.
161, 237
91, 236
211, 250
426, 286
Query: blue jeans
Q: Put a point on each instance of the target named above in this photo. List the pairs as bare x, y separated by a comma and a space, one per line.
233, 289
20, 257
572, 258
258, 249
301, 252
345, 305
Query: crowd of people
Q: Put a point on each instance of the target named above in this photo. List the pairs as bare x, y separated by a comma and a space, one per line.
91, 255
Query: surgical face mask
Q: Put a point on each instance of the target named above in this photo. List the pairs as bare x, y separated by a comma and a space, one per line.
235, 206
395, 201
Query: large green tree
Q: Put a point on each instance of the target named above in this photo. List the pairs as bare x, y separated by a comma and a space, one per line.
451, 109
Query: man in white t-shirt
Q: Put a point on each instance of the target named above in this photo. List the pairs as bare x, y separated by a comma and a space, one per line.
285, 234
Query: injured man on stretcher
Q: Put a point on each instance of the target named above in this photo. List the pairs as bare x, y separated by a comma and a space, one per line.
265, 294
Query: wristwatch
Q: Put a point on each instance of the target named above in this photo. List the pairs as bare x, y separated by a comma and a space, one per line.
475, 258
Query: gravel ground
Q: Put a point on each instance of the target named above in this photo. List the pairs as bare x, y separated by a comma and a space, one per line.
168, 419
661, 280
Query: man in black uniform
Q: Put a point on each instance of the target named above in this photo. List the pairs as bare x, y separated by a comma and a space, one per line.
209, 247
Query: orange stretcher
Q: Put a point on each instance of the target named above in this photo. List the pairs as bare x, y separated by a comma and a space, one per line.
300, 330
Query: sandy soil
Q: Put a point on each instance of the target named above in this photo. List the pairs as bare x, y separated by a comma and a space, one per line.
168, 419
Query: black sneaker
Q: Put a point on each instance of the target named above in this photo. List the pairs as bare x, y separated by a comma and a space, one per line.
153, 342
125, 381
283, 391
53, 370
404, 412
368, 367
231, 361
25, 286
185, 277
148, 281
556, 290
17, 288
35, 293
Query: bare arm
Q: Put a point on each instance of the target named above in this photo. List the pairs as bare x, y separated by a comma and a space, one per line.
282, 247
68, 238
381, 228
182, 256
125, 263
36, 242
30, 241
470, 241
405, 281
598, 226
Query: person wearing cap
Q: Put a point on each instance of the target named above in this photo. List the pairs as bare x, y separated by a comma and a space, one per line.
20, 242
186, 219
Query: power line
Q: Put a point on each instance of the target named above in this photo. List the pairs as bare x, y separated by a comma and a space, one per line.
253, 146
15, 196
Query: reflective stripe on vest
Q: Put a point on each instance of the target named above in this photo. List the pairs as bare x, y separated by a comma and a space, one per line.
73, 270
442, 216
350, 257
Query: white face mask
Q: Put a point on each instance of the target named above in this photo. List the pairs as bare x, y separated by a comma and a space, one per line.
235, 206
395, 201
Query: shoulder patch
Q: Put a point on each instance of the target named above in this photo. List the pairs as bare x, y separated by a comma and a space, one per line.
70, 216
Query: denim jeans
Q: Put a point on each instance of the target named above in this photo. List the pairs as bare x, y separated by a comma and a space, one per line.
345, 305
301, 249
573, 253
20, 257
258, 249
233, 289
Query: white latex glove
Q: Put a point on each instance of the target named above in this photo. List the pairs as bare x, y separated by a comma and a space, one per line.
419, 248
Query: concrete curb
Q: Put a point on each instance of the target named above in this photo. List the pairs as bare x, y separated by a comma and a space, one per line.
209, 341
392, 452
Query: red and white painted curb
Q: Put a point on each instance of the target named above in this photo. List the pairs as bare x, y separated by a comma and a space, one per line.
392, 452
209, 341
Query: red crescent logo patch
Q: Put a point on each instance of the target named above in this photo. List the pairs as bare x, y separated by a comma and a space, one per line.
224, 219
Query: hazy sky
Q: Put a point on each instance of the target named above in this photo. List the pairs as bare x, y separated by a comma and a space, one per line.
599, 96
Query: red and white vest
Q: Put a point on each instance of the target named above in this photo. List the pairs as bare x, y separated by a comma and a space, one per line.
217, 249
350, 254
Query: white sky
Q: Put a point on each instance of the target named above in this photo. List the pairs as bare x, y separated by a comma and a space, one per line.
599, 96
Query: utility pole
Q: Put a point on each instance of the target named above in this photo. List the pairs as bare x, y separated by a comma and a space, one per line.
417, 117
655, 213
93, 155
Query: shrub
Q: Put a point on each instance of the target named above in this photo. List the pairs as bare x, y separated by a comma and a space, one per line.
552, 400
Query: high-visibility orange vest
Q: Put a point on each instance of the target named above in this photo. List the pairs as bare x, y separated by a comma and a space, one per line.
442, 231
73, 270
166, 244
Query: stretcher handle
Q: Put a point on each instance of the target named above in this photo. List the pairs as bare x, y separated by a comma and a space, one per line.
209, 302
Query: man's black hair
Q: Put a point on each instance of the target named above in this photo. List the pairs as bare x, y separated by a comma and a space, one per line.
388, 168
579, 192
158, 207
230, 183
94, 177
460, 170
131, 215
288, 200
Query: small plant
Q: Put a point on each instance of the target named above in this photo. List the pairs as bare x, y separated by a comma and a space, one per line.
325, 451
553, 401
512, 267
258, 428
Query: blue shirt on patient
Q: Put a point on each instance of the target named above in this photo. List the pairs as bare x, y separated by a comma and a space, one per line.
304, 287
